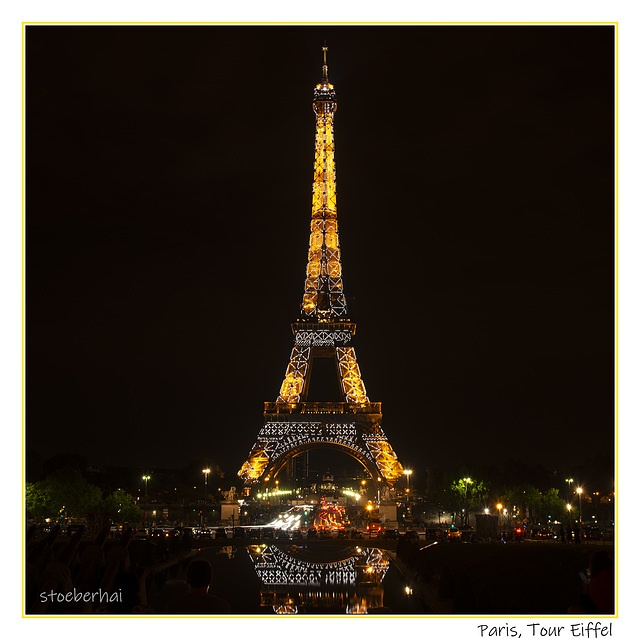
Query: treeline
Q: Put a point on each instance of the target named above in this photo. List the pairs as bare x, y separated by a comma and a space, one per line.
161, 485
65, 493
66, 486
516, 490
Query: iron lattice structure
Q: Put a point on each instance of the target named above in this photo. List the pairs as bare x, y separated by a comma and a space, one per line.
288, 579
277, 567
292, 424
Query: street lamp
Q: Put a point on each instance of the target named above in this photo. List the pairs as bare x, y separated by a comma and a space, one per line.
204, 503
206, 479
146, 485
579, 492
369, 507
569, 481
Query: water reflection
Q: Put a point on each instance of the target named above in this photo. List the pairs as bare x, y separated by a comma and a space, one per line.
301, 579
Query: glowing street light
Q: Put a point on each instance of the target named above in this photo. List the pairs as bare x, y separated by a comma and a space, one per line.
146, 485
579, 492
499, 508
206, 481
206, 473
569, 481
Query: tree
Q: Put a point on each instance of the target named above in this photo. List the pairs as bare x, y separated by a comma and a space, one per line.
63, 493
522, 501
38, 500
553, 505
121, 507
435, 483
464, 495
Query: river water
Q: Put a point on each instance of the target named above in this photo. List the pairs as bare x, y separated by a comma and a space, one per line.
269, 579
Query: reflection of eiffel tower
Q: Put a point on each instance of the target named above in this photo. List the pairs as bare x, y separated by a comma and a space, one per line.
292, 424
293, 577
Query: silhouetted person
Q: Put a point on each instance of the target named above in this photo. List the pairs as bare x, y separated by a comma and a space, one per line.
576, 534
599, 595
562, 538
161, 549
569, 534
601, 585
199, 600
186, 541
127, 586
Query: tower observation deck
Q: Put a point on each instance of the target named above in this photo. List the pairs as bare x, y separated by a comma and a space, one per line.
294, 425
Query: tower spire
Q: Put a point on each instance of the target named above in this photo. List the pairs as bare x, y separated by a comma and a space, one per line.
323, 298
325, 69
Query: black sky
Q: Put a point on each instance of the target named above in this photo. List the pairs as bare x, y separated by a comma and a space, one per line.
169, 174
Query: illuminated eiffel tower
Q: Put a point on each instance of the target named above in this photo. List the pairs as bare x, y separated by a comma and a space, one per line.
292, 424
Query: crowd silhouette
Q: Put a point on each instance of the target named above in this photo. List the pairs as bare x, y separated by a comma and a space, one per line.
113, 575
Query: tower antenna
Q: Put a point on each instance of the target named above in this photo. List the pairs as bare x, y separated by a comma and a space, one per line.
325, 70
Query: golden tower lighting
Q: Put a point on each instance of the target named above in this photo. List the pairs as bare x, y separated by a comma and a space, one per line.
293, 424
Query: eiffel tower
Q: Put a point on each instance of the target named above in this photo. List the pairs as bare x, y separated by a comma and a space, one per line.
292, 425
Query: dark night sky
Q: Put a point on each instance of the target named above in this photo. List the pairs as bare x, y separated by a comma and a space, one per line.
169, 175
